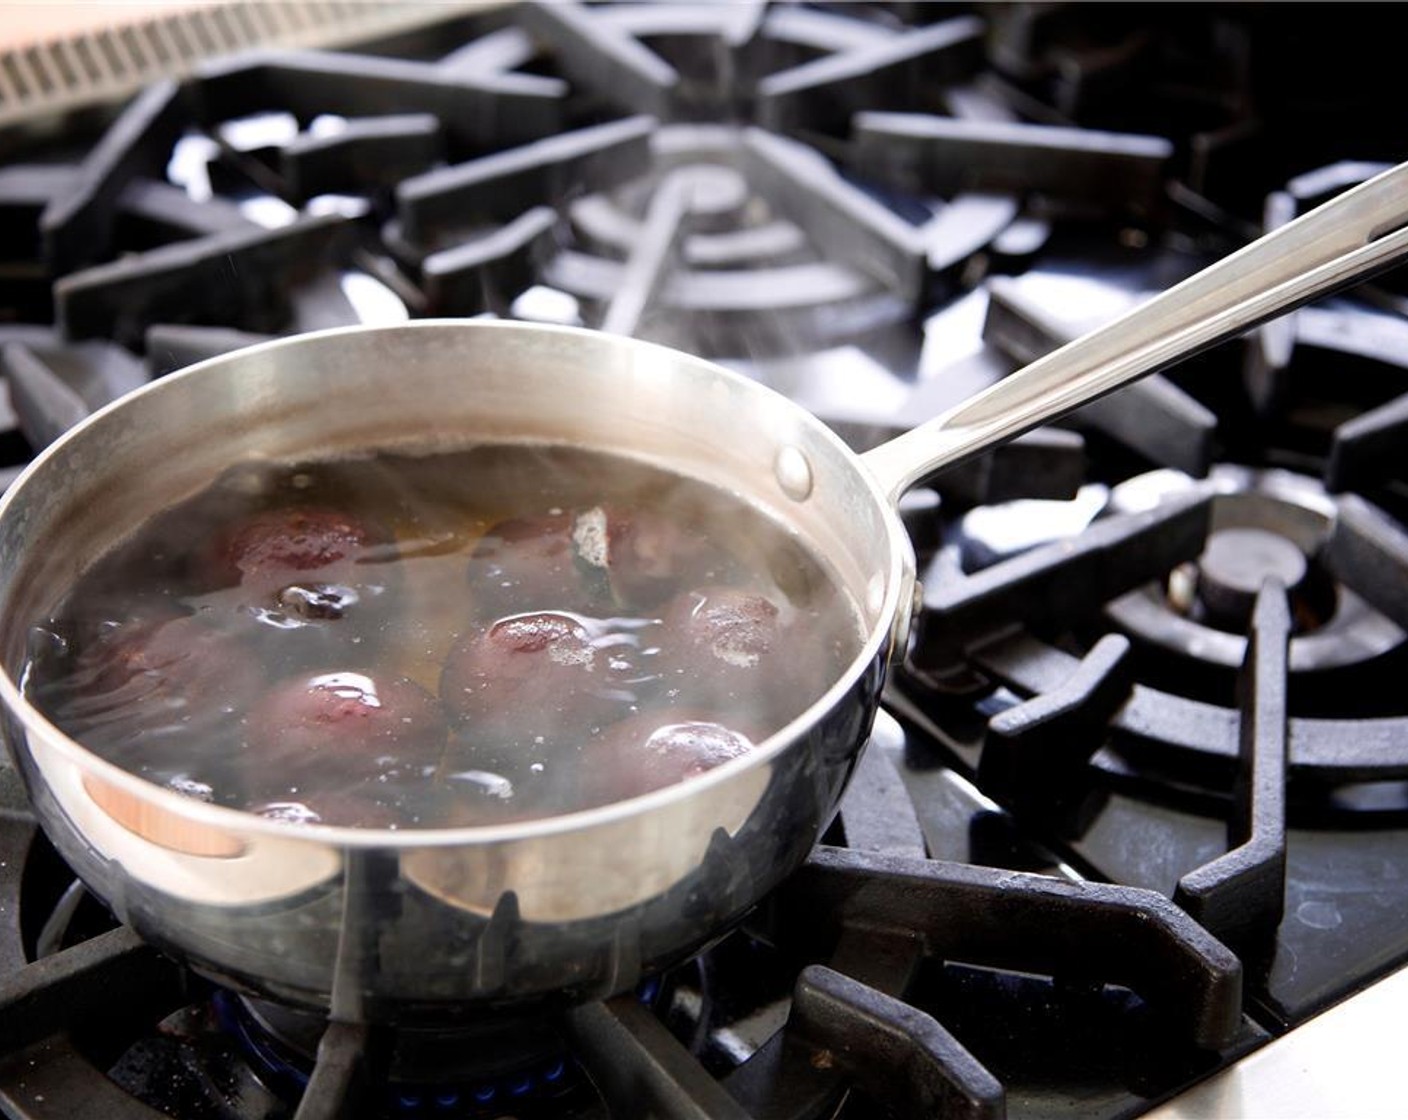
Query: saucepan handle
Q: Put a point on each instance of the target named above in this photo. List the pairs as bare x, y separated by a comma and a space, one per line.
1349, 238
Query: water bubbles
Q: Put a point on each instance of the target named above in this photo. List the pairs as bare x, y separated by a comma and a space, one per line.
289, 812
277, 619
491, 784
317, 601
191, 787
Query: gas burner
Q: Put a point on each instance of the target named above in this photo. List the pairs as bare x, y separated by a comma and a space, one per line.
746, 281
467, 1071
1071, 684
1267, 524
1175, 567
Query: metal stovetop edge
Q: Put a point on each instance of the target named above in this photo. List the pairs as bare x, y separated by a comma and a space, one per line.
1346, 1064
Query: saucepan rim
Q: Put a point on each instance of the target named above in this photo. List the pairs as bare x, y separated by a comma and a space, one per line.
897, 589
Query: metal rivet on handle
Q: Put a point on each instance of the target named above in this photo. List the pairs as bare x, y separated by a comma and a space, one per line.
794, 473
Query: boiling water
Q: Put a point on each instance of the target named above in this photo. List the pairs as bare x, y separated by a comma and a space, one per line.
459, 638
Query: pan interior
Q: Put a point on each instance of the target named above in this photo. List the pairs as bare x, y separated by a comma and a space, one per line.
428, 386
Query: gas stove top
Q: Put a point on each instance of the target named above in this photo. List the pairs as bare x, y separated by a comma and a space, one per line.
1135, 815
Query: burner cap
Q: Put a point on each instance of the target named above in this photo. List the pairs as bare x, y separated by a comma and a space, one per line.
715, 190
1235, 564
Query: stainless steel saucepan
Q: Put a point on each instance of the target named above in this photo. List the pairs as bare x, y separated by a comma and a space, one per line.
382, 925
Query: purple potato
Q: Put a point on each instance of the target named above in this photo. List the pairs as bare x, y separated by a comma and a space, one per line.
652, 750
527, 564
154, 672
535, 678
278, 547
644, 553
321, 732
729, 651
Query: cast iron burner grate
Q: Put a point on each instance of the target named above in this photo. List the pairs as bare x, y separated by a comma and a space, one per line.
1110, 725
857, 930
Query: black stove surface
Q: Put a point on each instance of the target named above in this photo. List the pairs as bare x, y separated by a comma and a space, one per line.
1137, 804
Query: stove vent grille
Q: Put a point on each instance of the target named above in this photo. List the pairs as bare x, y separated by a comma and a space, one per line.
110, 63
